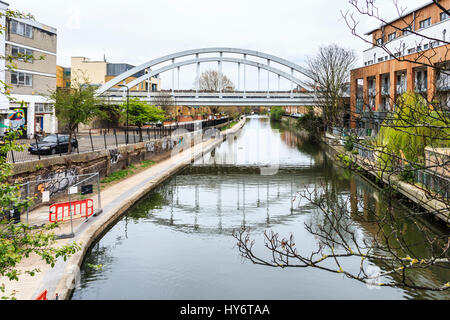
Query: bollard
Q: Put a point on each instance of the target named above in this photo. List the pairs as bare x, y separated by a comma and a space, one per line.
90, 137
78, 142
104, 138
57, 145
37, 147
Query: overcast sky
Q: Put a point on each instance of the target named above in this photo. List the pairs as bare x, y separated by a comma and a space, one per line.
135, 31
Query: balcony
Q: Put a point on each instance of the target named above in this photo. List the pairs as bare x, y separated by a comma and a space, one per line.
443, 82
421, 87
401, 88
359, 105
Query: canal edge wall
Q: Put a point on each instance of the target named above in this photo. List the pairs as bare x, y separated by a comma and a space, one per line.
91, 233
437, 209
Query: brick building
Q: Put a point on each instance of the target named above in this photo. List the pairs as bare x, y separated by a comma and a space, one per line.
420, 35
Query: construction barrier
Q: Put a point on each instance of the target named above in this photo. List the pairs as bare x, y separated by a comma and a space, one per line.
60, 211
42, 296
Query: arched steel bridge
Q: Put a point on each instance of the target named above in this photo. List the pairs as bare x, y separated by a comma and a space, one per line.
236, 98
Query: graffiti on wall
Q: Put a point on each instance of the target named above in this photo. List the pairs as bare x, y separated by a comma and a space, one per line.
150, 146
55, 182
115, 155
17, 119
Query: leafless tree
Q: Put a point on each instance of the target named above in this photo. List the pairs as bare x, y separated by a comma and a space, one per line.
164, 100
209, 81
330, 73
410, 155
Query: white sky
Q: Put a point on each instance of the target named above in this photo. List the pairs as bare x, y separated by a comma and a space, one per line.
135, 31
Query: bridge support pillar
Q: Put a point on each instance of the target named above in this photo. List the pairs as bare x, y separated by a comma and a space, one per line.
173, 78
220, 75
245, 75
198, 78
268, 80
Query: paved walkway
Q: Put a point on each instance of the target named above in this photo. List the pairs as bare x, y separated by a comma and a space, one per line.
115, 201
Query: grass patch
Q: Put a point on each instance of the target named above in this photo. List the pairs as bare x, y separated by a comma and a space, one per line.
132, 169
229, 126
147, 163
118, 175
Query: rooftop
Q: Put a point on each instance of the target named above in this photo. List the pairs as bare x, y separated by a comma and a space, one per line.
402, 16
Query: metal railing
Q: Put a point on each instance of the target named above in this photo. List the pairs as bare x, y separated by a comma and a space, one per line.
103, 139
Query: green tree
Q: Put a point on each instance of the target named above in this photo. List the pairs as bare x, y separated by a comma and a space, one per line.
76, 105
18, 240
413, 126
140, 113
276, 113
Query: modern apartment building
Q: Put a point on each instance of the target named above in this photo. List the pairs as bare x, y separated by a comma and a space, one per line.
420, 35
32, 79
99, 72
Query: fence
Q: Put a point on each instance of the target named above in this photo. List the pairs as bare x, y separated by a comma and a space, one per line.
101, 139
429, 179
433, 182
365, 152
61, 197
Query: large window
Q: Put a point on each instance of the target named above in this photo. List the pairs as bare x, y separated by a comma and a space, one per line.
21, 29
407, 30
444, 16
15, 51
392, 36
425, 23
21, 79
43, 108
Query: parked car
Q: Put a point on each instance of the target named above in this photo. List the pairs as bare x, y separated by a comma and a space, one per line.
53, 144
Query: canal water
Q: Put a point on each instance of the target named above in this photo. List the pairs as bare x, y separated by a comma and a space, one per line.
177, 242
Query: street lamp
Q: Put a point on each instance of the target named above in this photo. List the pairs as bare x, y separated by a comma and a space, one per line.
128, 101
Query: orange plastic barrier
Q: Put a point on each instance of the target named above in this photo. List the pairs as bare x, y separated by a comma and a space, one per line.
59, 211
42, 296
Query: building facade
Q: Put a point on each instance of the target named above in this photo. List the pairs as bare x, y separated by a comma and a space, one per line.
407, 54
32, 79
83, 70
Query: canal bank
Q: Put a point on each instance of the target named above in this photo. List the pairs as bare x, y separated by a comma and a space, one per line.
116, 200
436, 209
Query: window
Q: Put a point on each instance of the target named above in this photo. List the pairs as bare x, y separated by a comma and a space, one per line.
425, 46
444, 16
21, 79
379, 41
425, 23
15, 51
410, 51
434, 44
21, 29
43, 107
392, 36
407, 30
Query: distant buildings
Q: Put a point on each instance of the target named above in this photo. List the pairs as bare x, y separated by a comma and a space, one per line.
32, 80
83, 70
376, 85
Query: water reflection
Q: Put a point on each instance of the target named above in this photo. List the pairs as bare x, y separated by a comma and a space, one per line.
176, 243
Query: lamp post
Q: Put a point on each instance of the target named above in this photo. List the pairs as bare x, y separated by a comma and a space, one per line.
128, 101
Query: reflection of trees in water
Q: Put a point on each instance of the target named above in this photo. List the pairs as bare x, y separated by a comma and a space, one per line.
363, 224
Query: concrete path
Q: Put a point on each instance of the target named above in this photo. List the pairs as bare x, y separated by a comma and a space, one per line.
115, 201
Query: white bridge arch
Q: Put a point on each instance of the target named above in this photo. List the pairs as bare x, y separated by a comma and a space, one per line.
197, 52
